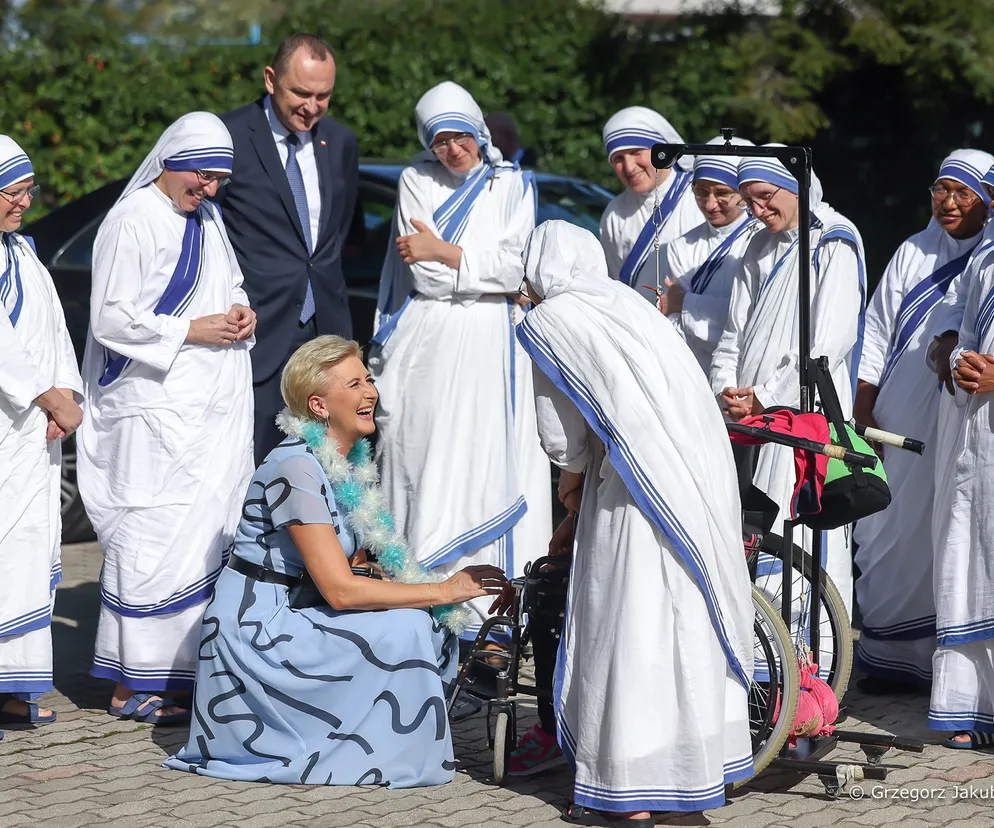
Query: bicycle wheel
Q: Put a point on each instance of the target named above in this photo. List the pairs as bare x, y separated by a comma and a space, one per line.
835, 644
776, 685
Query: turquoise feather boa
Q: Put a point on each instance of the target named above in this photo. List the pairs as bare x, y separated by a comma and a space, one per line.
355, 485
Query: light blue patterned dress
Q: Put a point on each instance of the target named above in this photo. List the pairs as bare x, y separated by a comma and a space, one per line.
313, 696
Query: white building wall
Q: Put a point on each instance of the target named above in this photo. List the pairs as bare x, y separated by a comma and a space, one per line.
674, 7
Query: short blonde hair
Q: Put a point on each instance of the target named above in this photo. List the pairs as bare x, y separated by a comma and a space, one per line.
304, 376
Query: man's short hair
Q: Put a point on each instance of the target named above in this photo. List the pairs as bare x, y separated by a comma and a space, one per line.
317, 48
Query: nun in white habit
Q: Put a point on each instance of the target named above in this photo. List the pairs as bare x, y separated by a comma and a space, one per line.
458, 450
165, 450
657, 205
39, 387
755, 364
702, 263
948, 317
658, 564
963, 665
898, 393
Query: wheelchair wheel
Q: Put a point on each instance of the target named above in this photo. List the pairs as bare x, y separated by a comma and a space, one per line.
503, 744
776, 685
835, 640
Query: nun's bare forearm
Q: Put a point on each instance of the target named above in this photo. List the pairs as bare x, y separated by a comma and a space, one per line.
866, 398
568, 482
449, 254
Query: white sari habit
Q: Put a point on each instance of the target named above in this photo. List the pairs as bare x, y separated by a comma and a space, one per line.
165, 450
656, 652
458, 450
36, 354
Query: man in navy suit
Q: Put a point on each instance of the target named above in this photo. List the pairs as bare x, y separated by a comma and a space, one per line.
287, 210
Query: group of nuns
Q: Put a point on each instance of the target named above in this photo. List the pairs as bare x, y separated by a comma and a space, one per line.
500, 345
621, 358
600, 359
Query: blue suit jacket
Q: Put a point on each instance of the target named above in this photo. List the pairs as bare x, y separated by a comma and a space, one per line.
262, 223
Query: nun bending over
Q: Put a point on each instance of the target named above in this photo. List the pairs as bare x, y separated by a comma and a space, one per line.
702, 263
963, 667
655, 202
165, 450
659, 598
458, 449
755, 364
315, 666
897, 392
39, 389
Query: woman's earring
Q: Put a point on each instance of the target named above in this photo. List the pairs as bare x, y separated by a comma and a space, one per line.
327, 423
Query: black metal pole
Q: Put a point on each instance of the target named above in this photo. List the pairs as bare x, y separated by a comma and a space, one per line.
802, 172
797, 160
800, 167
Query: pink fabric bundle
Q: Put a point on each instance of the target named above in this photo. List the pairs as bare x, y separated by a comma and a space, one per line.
817, 708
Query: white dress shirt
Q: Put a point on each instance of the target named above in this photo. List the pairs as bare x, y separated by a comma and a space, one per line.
308, 166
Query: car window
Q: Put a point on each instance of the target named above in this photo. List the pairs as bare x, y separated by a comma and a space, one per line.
376, 212
78, 254
369, 237
573, 201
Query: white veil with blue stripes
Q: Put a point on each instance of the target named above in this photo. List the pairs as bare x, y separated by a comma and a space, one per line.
446, 107
196, 141
641, 390
638, 127
15, 166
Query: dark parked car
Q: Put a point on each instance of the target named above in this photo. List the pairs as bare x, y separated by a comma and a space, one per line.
64, 240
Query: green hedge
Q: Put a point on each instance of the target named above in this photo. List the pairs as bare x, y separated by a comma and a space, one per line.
87, 104
882, 89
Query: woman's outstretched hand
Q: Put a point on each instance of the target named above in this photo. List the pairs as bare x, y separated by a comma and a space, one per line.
472, 582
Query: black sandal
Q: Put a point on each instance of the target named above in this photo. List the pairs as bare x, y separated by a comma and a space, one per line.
578, 815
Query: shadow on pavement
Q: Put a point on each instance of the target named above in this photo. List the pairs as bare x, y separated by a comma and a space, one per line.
170, 739
74, 628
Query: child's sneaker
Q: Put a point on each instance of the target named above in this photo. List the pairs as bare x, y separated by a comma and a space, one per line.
537, 751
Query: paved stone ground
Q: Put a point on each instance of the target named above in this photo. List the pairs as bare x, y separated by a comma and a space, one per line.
90, 769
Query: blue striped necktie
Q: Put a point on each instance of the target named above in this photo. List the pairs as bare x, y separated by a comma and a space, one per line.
296, 180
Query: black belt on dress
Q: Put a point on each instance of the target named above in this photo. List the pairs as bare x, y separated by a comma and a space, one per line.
271, 576
260, 573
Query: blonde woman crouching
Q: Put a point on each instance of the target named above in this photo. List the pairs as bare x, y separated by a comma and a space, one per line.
317, 665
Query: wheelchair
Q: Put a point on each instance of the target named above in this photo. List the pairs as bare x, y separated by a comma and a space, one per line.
539, 599
781, 639
493, 676
784, 601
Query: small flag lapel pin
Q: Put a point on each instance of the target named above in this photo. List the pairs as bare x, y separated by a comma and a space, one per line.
324, 143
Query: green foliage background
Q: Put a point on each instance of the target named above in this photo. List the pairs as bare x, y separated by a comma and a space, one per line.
882, 89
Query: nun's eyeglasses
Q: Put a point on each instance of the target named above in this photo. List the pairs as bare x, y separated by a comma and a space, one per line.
761, 201
464, 139
21, 195
962, 198
723, 199
207, 178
